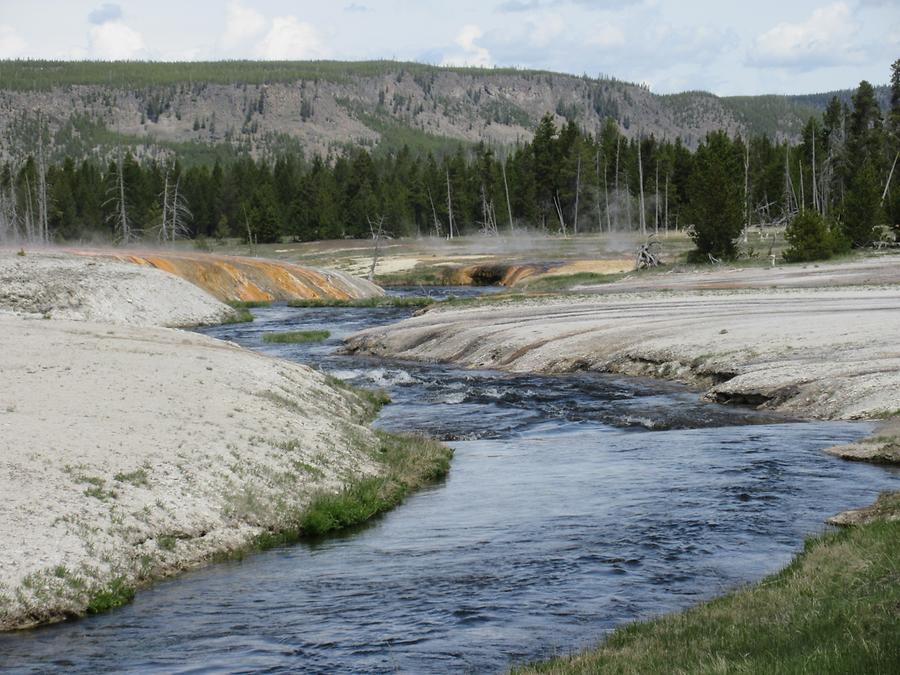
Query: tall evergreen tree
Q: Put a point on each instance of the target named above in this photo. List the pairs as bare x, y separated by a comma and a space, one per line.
716, 198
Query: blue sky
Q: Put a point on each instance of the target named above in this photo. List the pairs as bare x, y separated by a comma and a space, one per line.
748, 47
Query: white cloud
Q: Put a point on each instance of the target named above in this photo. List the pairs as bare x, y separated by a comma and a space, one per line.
607, 36
11, 43
241, 24
543, 30
472, 54
825, 38
114, 41
290, 39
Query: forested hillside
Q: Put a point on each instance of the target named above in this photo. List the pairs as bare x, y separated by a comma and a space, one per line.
559, 175
208, 111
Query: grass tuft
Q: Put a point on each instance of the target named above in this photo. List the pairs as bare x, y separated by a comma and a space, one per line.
249, 304
410, 462
115, 594
297, 336
240, 315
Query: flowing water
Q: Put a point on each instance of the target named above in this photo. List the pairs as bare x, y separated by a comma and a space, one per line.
574, 503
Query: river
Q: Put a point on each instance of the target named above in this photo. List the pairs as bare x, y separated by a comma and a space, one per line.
574, 504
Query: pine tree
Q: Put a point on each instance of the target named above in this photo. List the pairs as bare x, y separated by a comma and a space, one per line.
862, 206
716, 198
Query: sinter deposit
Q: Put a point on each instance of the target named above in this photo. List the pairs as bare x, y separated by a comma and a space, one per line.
827, 353
129, 453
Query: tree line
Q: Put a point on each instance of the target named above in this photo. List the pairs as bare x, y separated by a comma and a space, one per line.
838, 177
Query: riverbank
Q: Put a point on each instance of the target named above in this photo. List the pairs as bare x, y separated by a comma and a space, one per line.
821, 353
832, 610
130, 452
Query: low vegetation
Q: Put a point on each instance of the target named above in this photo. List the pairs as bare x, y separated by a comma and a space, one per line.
410, 461
241, 315
249, 304
297, 336
834, 609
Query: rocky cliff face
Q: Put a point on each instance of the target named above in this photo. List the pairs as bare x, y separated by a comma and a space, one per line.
384, 107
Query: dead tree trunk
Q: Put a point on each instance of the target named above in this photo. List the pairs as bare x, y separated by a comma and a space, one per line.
163, 235
641, 180
437, 222
618, 200
746, 192
508, 203
656, 201
577, 191
667, 204
814, 186
376, 230
606, 195
449, 206
887, 185
559, 213
43, 210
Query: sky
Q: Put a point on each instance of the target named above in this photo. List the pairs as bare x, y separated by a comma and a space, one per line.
728, 48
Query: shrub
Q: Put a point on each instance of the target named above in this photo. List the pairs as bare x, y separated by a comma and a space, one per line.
810, 238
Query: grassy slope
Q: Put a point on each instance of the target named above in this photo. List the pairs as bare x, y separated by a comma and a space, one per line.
834, 609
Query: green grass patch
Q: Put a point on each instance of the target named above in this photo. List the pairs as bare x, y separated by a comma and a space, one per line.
137, 478
410, 462
240, 315
834, 609
297, 336
115, 594
379, 301
249, 304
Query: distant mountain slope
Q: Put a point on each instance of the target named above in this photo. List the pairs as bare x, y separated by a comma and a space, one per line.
215, 110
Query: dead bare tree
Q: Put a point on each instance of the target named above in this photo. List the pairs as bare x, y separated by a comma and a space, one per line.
667, 204
887, 185
648, 254
656, 200
641, 179
508, 203
814, 187
559, 213
164, 224
449, 207
746, 192
43, 207
437, 222
180, 214
376, 229
488, 215
119, 215
577, 193
618, 146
